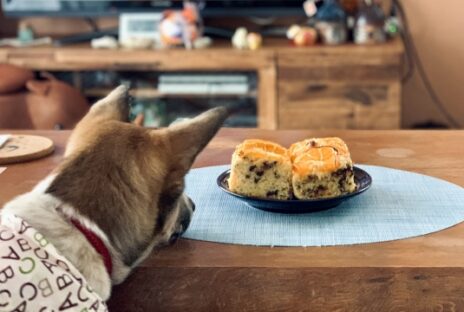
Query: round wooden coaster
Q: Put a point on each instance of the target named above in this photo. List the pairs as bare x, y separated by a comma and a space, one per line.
21, 148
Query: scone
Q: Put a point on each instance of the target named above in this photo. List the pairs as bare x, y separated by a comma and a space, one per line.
322, 167
261, 169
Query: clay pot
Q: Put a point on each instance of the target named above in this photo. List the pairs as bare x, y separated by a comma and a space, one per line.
13, 78
41, 104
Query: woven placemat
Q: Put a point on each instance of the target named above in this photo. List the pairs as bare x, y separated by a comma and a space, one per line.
399, 205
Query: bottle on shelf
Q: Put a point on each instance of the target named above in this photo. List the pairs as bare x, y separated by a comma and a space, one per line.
331, 23
370, 23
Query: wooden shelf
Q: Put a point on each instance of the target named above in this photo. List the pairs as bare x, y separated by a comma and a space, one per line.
221, 56
346, 86
150, 93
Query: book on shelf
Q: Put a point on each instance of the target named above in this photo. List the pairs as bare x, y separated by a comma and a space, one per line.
204, 88
203, 78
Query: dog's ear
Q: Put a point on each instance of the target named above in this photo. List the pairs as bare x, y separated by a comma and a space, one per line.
188, 138
115, 106
139, 120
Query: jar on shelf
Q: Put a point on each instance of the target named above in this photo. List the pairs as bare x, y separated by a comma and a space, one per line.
331, 23
370, 22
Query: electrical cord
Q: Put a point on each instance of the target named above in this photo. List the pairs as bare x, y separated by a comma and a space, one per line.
414, 61
406, 40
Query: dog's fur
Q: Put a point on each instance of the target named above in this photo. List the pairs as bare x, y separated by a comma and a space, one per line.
123, 182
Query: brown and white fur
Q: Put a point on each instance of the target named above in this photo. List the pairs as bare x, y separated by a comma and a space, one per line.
123, 182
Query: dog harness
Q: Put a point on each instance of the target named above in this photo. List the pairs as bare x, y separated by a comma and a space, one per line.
35, 277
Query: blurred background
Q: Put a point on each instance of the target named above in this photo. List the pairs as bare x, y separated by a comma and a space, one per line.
295, 64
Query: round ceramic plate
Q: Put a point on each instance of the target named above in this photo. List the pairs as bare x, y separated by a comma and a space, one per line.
362, 179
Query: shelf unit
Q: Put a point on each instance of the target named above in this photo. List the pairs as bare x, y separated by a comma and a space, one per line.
345, 87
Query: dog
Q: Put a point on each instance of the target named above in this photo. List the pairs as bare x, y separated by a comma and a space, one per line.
117, 195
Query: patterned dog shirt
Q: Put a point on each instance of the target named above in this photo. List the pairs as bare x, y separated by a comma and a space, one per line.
35, 277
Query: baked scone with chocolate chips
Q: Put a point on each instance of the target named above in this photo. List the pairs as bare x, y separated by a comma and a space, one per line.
261, 169
322, 167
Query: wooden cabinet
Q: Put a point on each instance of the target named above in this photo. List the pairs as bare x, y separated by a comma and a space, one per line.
344, 87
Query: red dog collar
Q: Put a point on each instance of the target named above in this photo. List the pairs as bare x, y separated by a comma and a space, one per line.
97, 243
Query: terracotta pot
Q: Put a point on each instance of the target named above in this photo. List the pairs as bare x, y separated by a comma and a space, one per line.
42, 104
13, 78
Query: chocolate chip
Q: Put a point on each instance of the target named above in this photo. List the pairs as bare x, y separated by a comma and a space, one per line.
341, 172
269, 165
311, 179
247, 176
252, 168
260, 173
341, 185
272, 193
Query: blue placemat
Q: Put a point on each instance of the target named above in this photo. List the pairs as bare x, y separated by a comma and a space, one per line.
399, 204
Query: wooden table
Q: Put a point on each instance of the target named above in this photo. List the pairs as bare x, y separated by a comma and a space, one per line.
418, 274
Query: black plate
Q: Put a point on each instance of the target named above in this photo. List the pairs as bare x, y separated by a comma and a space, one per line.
362, 179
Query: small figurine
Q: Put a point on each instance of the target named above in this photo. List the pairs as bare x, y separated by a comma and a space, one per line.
331, 23
302, 36
138, 43
106, 42
239, 39
254, 41
242, 39
370, 23
202, 43
25, 33
181, 27
310, 8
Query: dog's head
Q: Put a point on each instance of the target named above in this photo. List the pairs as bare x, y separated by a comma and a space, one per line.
129, 180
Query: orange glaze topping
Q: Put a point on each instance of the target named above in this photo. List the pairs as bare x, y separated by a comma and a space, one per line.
255, 148
318, 159
301, 147
318, 155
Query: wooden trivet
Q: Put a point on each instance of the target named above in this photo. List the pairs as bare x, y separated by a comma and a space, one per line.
21, 148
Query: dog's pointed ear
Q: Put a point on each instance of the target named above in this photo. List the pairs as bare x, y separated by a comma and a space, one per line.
188, 138
115, 106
